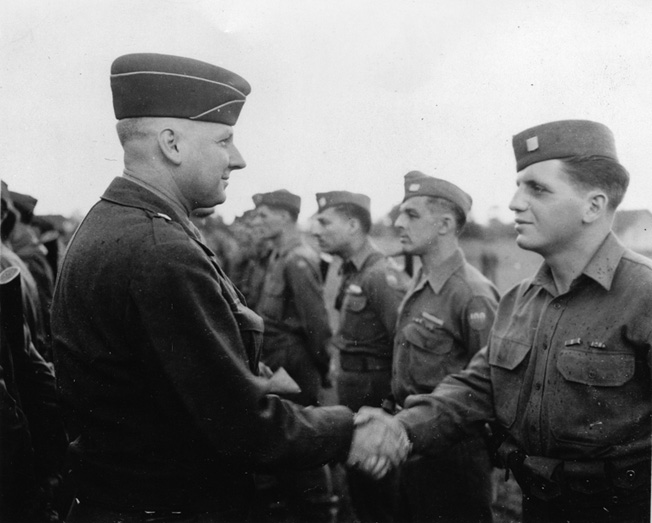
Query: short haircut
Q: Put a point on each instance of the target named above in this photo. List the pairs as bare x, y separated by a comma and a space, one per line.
598, 172
436, 203
350, 210
131, 128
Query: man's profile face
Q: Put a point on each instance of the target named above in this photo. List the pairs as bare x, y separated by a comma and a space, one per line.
548, 209
418, 224
209, 155
270, 222
332, 231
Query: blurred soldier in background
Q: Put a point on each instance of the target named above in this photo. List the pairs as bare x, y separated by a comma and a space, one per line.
444, 320
32, 307
26, 243
248, 263
370, 292
297, 332
33, 441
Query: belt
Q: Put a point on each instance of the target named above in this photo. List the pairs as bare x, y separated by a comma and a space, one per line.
363, 363
547, 478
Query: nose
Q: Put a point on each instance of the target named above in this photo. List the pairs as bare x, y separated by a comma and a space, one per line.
518, 202
400, 221
236, 159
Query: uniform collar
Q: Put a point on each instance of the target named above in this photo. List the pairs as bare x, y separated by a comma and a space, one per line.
126, 192
601, 267
438, 276
360, 257
291, 241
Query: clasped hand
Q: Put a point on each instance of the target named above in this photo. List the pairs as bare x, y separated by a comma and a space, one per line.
380, 442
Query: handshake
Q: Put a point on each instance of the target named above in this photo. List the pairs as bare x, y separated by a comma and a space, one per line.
379, 443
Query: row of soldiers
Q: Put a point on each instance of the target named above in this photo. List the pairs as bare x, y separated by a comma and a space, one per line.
387, 345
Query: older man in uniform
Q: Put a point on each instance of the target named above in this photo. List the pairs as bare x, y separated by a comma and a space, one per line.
370, 292
566, 374
156, 353
444, 320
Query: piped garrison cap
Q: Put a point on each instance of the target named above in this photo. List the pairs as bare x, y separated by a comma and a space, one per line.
563, 139
158, 85
419, 184
281, 198
330, 199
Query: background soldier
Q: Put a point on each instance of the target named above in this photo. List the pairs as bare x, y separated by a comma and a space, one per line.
297, 331
369, 295
444, 320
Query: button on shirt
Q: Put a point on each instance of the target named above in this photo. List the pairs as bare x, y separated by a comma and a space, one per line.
371, 292
444, 319
567, 374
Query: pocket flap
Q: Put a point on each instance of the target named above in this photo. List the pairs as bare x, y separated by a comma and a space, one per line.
507, 354
420, 337
599, 368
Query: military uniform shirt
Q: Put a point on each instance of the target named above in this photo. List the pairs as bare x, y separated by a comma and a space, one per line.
371, 295
444, 319
568, 375
292, 301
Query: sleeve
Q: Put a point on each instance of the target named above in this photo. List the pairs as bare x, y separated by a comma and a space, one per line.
452, 411
195, 345
477, 318
308, 295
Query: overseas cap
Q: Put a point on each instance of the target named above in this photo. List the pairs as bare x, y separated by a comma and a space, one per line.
419, 184
281, 198
563, 139
158, 85
330, 199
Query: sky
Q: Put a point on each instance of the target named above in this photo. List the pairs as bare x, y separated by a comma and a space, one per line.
346, 94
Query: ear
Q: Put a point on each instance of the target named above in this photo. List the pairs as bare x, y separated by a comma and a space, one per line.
168, 143
597, 203
447, 224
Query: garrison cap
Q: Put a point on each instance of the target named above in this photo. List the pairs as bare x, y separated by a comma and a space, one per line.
281, 198
24, 203
330, 199
158, 85
419, 184
563, 139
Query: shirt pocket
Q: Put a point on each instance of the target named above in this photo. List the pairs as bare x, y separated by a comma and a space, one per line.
355, 302
428, 350
592, 404
506, 357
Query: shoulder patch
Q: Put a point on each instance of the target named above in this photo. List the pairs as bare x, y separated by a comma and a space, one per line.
478, 315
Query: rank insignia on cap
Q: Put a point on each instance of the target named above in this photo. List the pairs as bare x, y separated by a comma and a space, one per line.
532, 144
322, 202
414, 187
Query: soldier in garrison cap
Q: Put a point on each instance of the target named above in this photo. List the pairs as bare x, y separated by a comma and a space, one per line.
444, 319
297, 330
370, 292
157, 353
29, 248
566, 373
